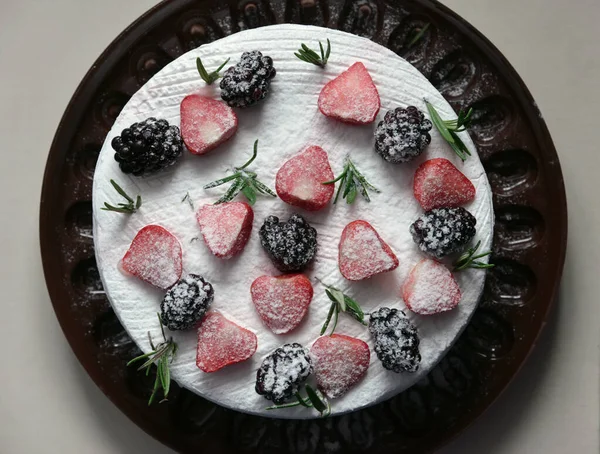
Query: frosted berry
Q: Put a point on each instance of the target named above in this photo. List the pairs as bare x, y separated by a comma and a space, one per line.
430, 289
248, 81
402, 135
438, 183
225, 227
186, 302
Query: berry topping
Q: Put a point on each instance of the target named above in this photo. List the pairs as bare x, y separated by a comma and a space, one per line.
282, 301
300, 180
402, 135
351, 97
430, 289
186, 302
247, 82
291, 245
362, 252
154, 257
206, 123
442, 231
439, 184
222, 342
396, 340
340, 362
282, 372
225, 227
147, 147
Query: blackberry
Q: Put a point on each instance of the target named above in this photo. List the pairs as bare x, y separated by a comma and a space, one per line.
442, 231
402, 135
396, 340
291, 245
282, 372
247, 82
147, 147
186, 302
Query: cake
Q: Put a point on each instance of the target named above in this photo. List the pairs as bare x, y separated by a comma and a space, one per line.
292, 118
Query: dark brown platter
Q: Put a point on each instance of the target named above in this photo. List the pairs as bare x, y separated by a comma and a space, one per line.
529, 243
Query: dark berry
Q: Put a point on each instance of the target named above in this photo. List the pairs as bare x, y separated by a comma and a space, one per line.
402, 135
442, 231
282, 372
186, 302
147, 147
247, 82
396, 340
291, 245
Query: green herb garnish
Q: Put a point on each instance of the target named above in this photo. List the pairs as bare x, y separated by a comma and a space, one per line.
244, 181
162, 356
469, 259
314, 399
188, 199
352, 182
449, 129
207, 77
341, 302
129, 207
310, 56
419, 33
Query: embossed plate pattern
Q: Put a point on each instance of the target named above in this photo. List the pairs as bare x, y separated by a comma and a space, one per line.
529, 243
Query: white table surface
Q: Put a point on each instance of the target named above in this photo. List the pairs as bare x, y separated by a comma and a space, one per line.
47, 402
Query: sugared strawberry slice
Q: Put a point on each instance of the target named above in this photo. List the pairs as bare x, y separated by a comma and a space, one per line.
351, 97
154, 256
430, 288
439, 184
362, 252
300, 180
282, 301
340, 362
206, 123
221, 343
226, 227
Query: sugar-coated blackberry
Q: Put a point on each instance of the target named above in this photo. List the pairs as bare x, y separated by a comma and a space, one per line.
396, 340
248, 81
186, 302
402, 135
147, 147
442, 231
282, 372
291, 245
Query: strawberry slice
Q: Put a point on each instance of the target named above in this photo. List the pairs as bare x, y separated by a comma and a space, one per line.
351, 97
154, 256
430, 289
439, 184
362, 252
340, 362
225, 227
222, 342
299, 181
206, 123
282, 301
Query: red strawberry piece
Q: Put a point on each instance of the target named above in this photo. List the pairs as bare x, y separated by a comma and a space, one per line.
430, 288
351, 97
226, 227
300, 180
206, 123
340, 362
282, 301
222, 342
439, 184
362, 252
154, 256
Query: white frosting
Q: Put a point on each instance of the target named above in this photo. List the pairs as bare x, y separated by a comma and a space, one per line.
285, 122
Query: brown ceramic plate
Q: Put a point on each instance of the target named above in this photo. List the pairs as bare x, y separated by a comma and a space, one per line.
529, 242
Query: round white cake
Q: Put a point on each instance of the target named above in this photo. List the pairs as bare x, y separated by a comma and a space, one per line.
285, 122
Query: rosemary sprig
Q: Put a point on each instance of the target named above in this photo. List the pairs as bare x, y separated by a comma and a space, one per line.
353, 182
418, 35
162, 356
310, 56
187, 198
129, 207
207, 77
314, 399
469, 259
449, 129
244, 181
340, 302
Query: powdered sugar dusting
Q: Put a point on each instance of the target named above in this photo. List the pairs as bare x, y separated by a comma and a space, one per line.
431, 289
225, 227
